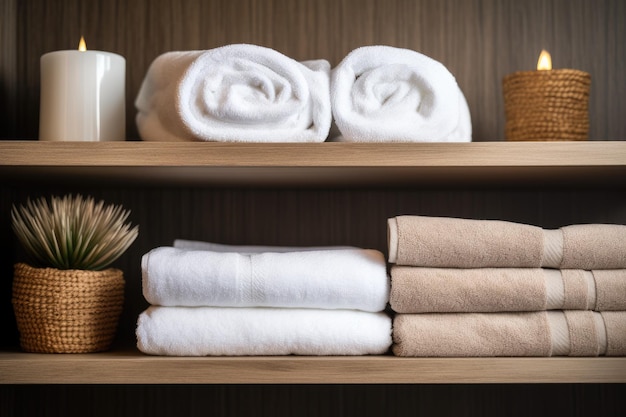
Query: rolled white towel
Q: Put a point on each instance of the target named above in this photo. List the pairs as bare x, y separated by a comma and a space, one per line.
387, 94
214, 331
235, 93
331, 279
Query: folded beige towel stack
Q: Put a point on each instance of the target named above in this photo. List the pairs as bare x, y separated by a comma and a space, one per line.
465, 287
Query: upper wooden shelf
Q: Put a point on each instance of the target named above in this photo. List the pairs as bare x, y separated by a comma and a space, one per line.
132, 367
593, 163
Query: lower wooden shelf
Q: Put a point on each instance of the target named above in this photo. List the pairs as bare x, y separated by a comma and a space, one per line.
132, 367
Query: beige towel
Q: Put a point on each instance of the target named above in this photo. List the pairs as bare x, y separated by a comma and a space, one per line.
615, 324
468, 243
459, 290
610, 289
463, 243
554, 333
594, 246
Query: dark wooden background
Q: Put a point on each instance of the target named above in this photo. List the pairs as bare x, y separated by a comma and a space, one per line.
480, 41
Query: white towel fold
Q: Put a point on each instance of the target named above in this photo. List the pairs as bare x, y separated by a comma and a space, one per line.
208, 331
387, 94
248, 249
235, 93
333, 279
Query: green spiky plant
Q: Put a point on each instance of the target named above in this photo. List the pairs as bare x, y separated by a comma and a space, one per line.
73, 232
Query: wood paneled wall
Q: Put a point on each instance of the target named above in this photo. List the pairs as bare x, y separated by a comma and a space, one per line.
510, 400
289, 217
480, 41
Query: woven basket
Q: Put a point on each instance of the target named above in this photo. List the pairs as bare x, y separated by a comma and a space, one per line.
547, 105
67, 311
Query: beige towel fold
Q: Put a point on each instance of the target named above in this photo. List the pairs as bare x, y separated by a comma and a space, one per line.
583, 333
467, 243
460, 290
555, 333
594, 246
472, 334
463, 243
615, 324
443, 290
610, 289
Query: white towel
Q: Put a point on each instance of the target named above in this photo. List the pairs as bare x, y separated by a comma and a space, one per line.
387, 94
235, 93
209, 331
333, 279
248, 249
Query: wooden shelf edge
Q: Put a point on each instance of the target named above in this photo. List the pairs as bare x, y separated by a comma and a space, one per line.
480, 154
132, 367
320, 164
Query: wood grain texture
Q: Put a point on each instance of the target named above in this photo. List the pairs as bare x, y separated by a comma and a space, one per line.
315, 155
332, 165
132, 367
480, 41
8, 68
511, 400
294, 217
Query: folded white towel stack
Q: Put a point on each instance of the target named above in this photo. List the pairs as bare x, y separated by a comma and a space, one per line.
354, 279
387, 94
204, 331
235, 93
263, 300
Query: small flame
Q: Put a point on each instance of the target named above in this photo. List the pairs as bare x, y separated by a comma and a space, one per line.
545, 61
82, 46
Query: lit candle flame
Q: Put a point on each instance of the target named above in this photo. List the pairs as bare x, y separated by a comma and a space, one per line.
82, 46
545, 61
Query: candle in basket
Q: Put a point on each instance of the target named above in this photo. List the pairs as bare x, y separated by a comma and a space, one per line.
547, 104
82, 96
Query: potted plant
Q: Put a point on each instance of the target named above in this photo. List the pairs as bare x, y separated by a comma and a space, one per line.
68, 299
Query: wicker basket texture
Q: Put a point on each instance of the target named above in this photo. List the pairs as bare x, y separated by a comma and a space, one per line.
547, 105
67, 311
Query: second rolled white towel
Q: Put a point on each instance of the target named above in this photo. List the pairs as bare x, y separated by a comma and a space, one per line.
330, 279
386, 94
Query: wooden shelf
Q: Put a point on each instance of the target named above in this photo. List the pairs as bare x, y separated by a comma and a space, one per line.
526, 164
132, 367
592, 163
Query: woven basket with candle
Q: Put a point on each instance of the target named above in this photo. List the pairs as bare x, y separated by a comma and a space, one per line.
71, 301
547, 105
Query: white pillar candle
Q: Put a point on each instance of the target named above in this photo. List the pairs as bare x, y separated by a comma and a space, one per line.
82, 96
